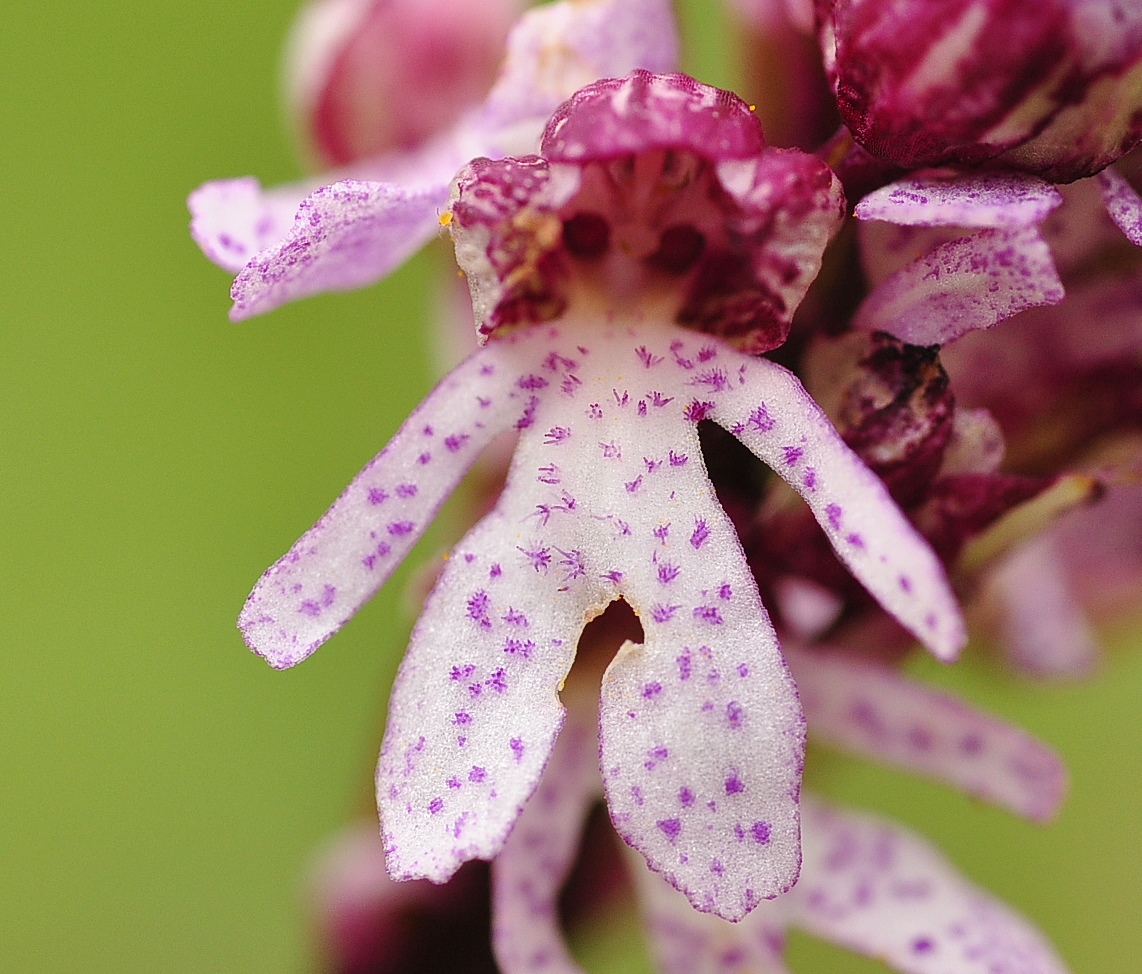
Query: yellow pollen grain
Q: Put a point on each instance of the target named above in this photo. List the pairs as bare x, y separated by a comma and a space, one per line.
445, 218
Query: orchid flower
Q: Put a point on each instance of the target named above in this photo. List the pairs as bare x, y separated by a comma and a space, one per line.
351, 228
621, 278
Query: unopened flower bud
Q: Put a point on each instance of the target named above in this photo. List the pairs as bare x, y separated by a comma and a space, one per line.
369, 76
1052, 87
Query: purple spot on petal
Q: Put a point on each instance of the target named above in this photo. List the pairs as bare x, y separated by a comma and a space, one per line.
377, 495
743, 670
697, 411
734, 784
922, 945
760, 421
671, 828
735, 713
685, 797
833, 513
398, 529
760, 832
717, 869
477, 774
406, 490
424, 458
461, 718
685, 667
436, 806
667, 572
663, 613
652, 690
792, 455
456, 441
708, 613
495, 571
678, 459
517, 746
701, 533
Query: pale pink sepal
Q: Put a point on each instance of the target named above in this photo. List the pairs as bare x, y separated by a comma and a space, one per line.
1008, 200
528, 876
880, 890
343, 236
234, 219
1122, 203
877, 712
966, 284
1043, 628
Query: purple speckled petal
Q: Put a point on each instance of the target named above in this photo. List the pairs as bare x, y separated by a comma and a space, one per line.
344, 236
233, 219
559, 48
620, 116
1007, 200
773, 415
1042, 626
353, 232
701, 734
684, 941
966, 284
475, 708
528, 876
344, 558
877, 712
1122, 203
880, 890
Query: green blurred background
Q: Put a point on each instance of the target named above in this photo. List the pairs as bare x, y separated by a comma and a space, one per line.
163, 789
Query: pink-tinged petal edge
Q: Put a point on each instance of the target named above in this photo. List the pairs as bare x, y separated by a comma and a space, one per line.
1122, 203
345, 558
880, 890
876, 712
773, 415
344, 236
966, 284
1004, 200
528, 876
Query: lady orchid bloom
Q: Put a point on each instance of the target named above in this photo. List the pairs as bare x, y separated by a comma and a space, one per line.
625, 280
351, 227
1051, 88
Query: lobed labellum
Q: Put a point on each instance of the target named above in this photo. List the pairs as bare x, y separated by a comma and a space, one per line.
475, 708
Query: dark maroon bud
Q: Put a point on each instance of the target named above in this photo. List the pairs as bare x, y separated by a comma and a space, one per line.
1050, 87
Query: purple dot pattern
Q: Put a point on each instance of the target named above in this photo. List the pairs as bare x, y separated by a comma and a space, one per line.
963, 285
292, 241
866, 885
1122, 203
528, 876
479, 685
1006, 200
877, 712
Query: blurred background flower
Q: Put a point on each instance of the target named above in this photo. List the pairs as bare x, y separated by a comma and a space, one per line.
164, 791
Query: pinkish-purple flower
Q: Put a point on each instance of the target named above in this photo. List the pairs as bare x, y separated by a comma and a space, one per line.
617, 276
349, 228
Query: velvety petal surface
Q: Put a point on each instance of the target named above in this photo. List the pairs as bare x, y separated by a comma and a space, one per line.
1122, 203
966, 284
234, 219
344, 558
770, 412
701, 734
1006, 200
880, 890
878, 712
343, 236
475, 708
528, 876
